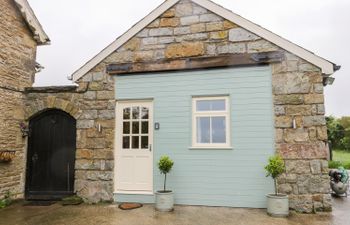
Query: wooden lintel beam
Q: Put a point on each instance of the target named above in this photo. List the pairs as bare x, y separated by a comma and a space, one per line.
245, 59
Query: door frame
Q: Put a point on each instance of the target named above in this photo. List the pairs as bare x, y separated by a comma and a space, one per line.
118, 141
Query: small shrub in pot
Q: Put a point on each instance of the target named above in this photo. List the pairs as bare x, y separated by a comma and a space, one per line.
165, 198
277, 204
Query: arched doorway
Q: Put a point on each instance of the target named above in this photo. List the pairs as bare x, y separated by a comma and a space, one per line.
51, 156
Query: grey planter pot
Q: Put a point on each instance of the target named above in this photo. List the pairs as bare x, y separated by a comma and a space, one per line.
277, 205
164, 201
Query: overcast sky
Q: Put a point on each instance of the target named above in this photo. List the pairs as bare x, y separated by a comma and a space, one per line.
79, 29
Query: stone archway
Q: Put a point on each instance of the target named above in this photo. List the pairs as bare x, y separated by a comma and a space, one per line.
94, 114
51, 102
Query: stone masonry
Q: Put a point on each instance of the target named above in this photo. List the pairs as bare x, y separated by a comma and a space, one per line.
188, 30
298, 95
17, 69
91, 104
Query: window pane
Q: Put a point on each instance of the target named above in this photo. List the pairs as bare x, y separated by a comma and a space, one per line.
211, 105
126, 113
126, 142
135, 142
218, 105
136, 127
144, 142
144, 113
203, 129
135, 112
126, 127
144, 127
218, 126
203, 105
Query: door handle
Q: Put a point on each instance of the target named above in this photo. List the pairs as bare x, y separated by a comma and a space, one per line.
150, 147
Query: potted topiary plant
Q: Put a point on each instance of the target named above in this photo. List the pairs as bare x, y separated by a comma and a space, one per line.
165, 198
277, 204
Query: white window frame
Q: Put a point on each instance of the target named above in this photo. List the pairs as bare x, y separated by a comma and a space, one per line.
196, 114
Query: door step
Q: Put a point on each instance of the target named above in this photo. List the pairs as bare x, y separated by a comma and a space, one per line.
39, 203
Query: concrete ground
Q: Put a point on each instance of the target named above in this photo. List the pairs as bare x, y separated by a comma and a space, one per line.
18, 214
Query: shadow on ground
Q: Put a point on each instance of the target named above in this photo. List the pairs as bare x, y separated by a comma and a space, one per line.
18, 214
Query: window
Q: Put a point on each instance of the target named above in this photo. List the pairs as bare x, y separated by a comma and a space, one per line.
211, 122
135, 127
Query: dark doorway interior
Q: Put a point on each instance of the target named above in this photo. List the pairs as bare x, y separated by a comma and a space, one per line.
51, 156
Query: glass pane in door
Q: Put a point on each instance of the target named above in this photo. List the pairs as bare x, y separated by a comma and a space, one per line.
144, 113
126, 142
144, 127
126, 113
135, 127
135, 112
135, 142
126, 127
144, 142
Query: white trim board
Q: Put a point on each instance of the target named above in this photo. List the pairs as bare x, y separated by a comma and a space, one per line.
33, 23
328, 68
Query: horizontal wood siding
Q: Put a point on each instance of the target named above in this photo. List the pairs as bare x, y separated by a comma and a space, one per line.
209, 177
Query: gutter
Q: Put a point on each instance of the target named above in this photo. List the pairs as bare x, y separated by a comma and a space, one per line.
336, 67
327, 79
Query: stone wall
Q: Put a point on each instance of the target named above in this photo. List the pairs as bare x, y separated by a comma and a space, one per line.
298, 96
187, 30
17, 69
91, 104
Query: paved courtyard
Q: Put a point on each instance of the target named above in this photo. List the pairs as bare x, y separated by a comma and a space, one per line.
183, 215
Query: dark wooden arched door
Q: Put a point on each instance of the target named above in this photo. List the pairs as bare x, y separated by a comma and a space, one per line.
51, 156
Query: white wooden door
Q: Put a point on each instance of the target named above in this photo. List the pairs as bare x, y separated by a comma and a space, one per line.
134, 139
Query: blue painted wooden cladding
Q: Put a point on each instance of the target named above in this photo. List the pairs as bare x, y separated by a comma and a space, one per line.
214, 177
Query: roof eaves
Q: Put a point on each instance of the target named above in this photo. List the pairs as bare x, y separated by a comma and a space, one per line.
33, 23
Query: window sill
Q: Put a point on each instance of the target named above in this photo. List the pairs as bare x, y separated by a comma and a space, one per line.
210, 148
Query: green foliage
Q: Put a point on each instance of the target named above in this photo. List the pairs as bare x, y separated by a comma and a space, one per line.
165, 164
342, 156
345, 122
274, 168
337, 164
346, 166
338, 131
72, 200
6, 201
345, 143
335, 131
334, 164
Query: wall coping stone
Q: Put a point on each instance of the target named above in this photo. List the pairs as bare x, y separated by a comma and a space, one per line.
51, 89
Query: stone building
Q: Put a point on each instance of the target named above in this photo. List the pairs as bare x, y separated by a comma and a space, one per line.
214, 91
20, 34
